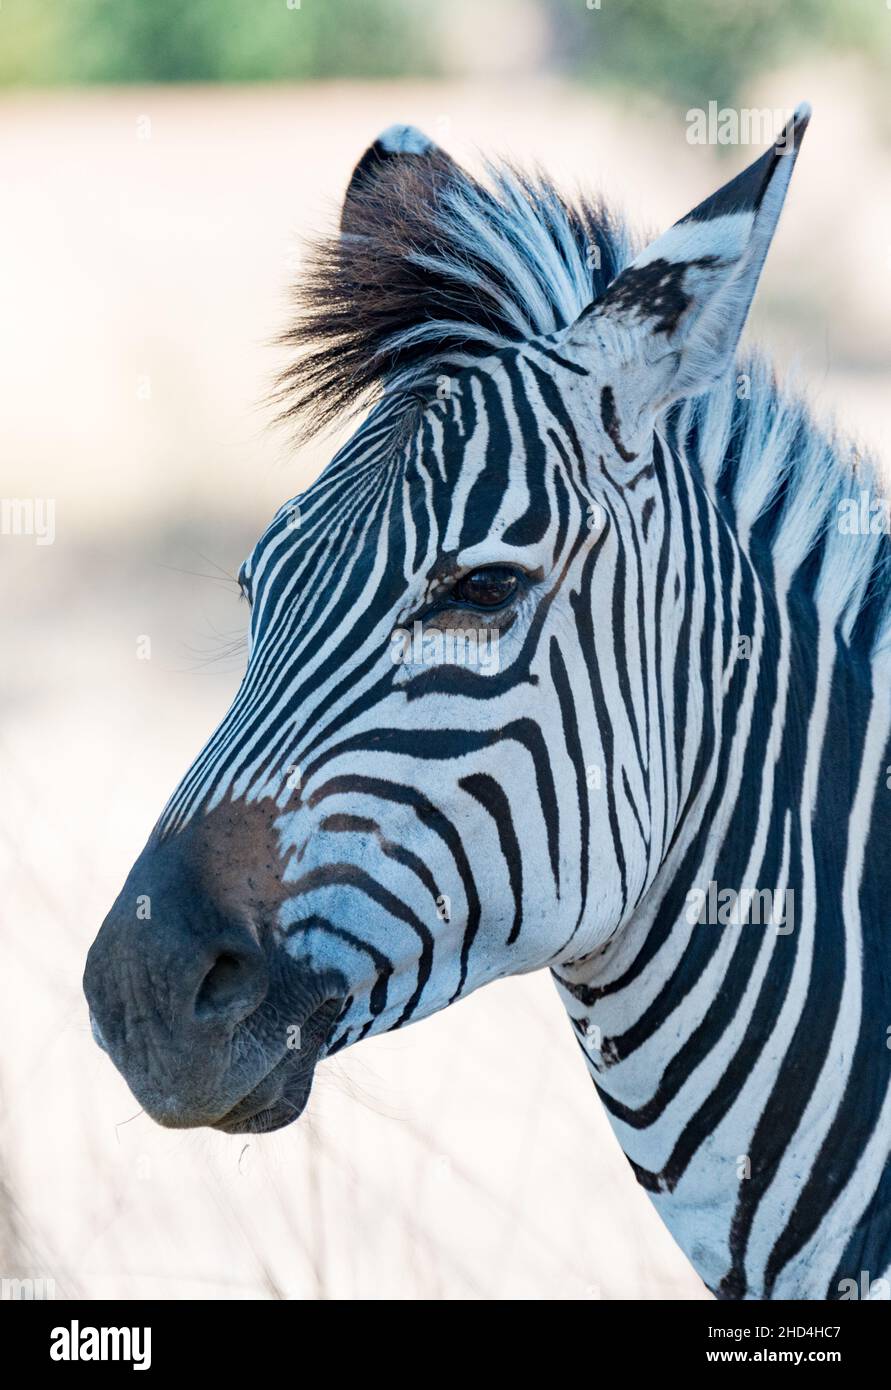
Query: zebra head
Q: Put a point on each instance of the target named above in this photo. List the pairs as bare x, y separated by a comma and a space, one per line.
452, 755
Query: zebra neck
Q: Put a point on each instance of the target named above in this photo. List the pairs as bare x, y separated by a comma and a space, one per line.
738, 1027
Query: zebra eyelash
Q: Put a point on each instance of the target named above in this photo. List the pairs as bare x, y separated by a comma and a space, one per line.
244, 584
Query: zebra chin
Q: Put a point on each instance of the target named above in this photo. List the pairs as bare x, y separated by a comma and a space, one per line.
281, 1097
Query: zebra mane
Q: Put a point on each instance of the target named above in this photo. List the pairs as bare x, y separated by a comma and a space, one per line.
436, 270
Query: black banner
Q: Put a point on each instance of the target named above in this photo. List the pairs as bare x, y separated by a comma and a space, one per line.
143, 1338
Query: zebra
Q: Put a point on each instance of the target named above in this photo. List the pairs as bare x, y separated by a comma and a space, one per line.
563, 452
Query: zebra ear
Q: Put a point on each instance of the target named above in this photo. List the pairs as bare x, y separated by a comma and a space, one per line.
688, 294
399, 150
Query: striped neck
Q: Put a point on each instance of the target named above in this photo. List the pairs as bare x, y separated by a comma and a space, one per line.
735, 1027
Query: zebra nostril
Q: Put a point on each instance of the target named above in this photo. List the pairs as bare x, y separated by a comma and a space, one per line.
232, 988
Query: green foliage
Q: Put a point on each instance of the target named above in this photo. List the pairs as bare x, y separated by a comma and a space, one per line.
51, 41
700, 50
687, 50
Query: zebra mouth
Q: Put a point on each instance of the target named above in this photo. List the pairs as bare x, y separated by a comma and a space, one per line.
280, 1098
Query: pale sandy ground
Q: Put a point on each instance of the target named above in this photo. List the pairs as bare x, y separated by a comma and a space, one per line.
464, 1158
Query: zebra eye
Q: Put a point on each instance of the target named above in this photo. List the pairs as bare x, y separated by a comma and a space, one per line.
243, 584
486, 588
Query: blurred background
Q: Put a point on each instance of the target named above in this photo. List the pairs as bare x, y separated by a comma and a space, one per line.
159, 167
